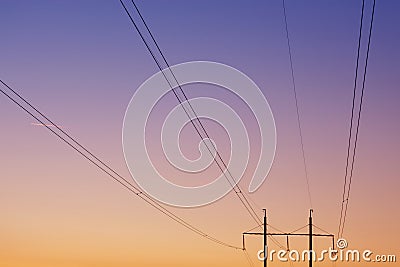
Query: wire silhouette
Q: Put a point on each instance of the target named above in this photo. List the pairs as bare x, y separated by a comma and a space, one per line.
196, 122
346, 200
352, 116
78, 147
247, 256
196, 116
297, 105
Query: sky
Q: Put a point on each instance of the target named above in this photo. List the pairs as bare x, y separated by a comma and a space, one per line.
80, 62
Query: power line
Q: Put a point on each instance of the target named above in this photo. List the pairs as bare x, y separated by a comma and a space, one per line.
260, 225
319, 228
247, 256
294, 231
224, 169
297, 105
352, 116
276, 229
104, 167
273, 239
252, 212
359, 116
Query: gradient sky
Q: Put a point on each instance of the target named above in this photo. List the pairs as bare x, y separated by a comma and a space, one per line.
80, 63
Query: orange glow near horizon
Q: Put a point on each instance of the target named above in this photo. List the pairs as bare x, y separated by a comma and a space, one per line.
80, 63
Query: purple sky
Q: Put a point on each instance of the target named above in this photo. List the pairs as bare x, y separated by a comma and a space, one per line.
81, 61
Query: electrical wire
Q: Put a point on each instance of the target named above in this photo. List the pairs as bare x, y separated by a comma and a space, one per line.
297, 105
351, 118
103, 166
294, 231
326, 232
254, 228
346, 193
252, 212
277, 242
247, 256
276, 229
359, 117
224, 170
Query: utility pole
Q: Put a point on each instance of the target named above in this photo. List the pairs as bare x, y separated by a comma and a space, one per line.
265, 238
310, 237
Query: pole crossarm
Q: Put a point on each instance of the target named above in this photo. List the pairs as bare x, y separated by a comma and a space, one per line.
288, 234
